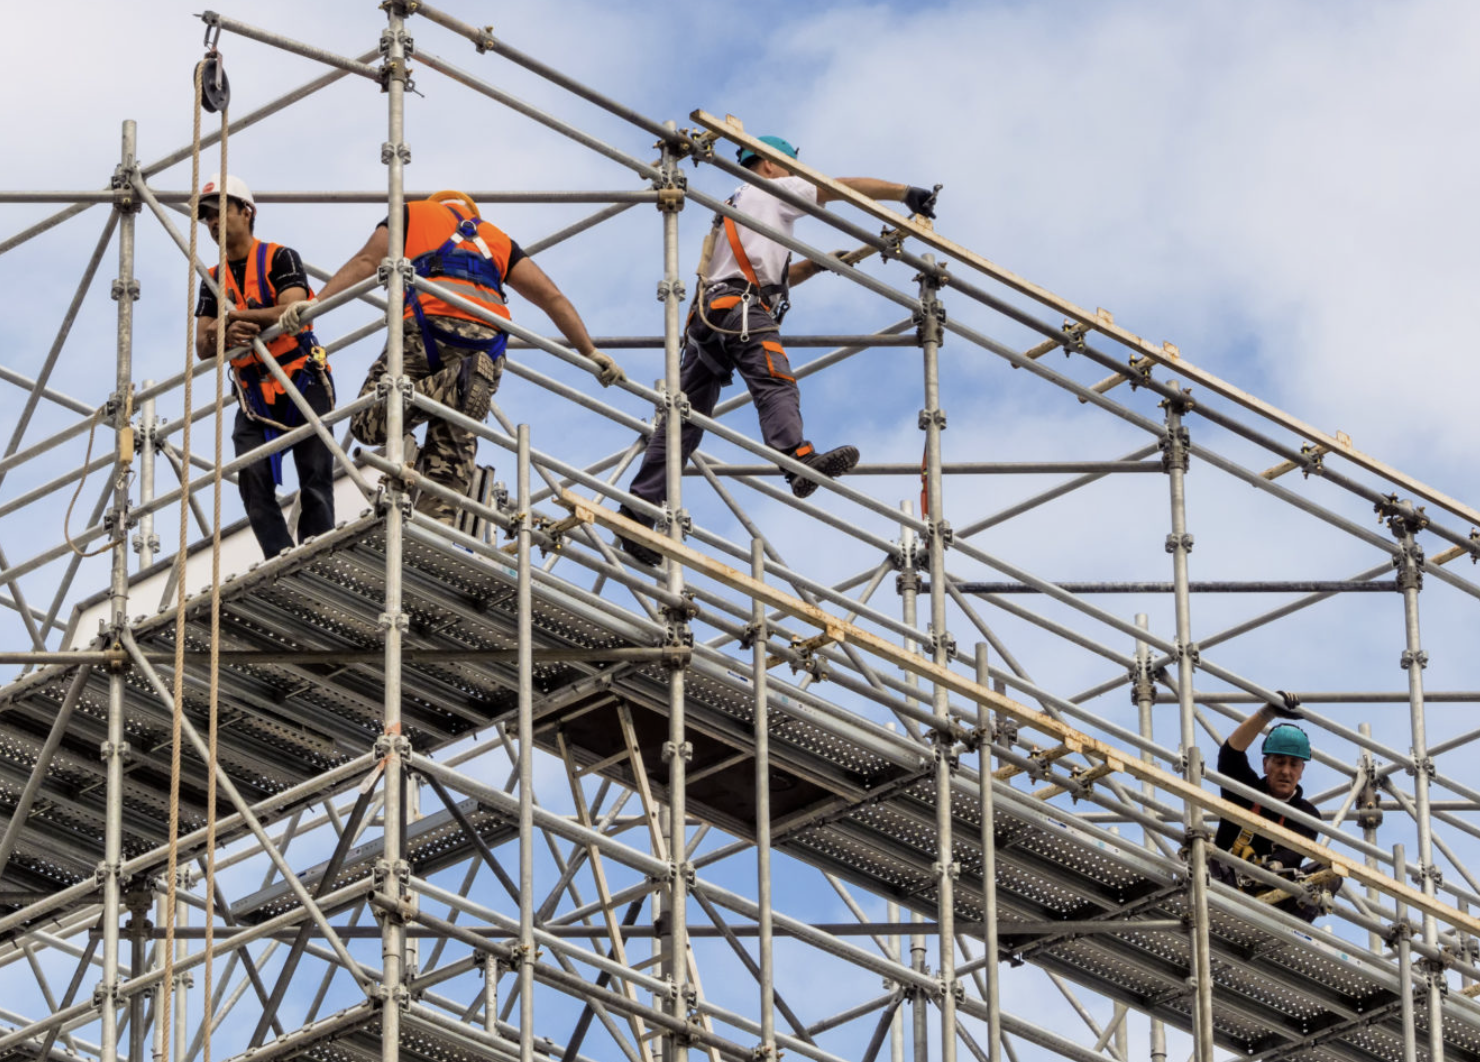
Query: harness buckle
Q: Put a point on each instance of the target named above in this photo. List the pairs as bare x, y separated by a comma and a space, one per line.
745, 316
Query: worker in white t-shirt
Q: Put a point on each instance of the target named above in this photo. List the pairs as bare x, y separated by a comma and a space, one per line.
736, 326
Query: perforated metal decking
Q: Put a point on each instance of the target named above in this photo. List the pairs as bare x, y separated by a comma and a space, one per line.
849, 796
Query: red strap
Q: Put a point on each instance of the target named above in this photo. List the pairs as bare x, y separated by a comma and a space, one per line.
740, 255
1257, 808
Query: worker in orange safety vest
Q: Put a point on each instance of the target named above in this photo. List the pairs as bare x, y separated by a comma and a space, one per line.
262, 280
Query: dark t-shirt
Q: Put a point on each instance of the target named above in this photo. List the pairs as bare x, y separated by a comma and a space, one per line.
1235, 764
283, 272
515, 251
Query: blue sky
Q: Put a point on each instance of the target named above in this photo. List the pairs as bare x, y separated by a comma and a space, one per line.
1284, 191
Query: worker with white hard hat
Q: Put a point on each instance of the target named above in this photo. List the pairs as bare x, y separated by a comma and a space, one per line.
262, 280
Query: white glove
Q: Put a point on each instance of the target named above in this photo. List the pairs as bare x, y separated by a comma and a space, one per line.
292, 318
608, 372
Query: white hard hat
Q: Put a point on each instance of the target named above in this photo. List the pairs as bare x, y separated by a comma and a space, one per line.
236, 188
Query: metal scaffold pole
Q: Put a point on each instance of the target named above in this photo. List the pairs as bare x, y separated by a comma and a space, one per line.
115, 750
525, 728
394, 889
1405, 521
986, 737
759, 652
676, 750
1143, 691
1175, 458
933, 421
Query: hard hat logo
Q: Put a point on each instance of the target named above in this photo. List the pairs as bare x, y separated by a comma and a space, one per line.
1287, 740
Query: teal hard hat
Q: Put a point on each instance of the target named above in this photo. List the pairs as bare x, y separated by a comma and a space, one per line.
783, 146
1287, 740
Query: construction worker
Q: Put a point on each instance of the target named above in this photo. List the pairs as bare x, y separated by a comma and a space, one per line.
262, 280
451, 355
1286, 752
735, 326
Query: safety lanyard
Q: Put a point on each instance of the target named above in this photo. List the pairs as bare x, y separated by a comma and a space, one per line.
1243, 845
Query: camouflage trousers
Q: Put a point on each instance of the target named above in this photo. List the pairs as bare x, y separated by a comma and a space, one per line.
450, 455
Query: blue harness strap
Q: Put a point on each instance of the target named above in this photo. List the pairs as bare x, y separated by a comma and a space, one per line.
450, 260
256, 402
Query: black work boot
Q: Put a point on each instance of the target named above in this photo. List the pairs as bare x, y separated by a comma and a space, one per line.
831, 464
636, 550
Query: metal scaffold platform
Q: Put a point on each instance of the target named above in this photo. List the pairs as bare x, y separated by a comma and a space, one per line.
498, 791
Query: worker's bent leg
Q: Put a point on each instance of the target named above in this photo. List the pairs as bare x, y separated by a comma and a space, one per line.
258, 491
766, 370
315, 461
702, 385
368, 425
450, 456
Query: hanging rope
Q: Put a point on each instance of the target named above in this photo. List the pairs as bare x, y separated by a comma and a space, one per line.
210, 66
87, 460
215, 688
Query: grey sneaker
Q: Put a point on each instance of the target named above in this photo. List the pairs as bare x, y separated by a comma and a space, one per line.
832, 464
477, 381
636, 550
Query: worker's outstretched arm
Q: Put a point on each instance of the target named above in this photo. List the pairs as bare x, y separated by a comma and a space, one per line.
916, 200
529, 280
1251, 728
364, 264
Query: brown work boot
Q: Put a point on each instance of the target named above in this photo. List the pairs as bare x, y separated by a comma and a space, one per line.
477, 381
832, 464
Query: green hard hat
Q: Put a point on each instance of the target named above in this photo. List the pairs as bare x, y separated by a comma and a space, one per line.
1287, 740
783, 146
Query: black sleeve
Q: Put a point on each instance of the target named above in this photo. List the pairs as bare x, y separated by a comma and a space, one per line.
286, 271
385, 222
1235, 763
205, 305
516, 253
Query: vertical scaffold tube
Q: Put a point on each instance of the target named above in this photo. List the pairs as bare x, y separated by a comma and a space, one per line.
394, 996
125, 290
933, 420
676, 751
909, 589
1405, 522
1369, 817
1404, 935
984, 733
1144, 692
525, 606
1175, 454
763, 804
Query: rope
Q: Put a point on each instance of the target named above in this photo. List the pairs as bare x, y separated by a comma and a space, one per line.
215, 681
177, 727
67, 521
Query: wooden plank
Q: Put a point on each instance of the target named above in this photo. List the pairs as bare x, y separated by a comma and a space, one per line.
843, 632
1167, 358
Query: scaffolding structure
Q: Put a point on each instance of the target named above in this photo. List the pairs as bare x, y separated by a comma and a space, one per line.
496, 792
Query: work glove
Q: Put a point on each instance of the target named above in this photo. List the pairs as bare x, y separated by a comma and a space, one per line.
1289, 706
292, 318
921, 201
608, 372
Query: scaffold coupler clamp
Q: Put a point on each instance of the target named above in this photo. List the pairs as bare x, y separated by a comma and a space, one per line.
672, 192
1143, 681
930, 319
116, 659
396, 68
1176, 449
946, 745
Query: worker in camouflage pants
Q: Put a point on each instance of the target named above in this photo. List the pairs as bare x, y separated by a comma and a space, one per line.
452, 354
450, 454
